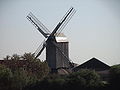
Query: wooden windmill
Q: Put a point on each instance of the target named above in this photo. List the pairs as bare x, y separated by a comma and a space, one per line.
56, 43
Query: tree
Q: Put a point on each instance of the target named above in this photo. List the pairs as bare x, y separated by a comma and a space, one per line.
91, 77
15, 80
7, 57
15, 57
32, 65
38, 68
22, 78
115, 76
17, 76
5, 78
84, 79
28, 56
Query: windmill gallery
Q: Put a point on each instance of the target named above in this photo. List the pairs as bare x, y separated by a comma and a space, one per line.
56, 44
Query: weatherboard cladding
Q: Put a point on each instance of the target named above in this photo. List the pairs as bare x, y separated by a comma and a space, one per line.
54, 57
51, 55
61, 60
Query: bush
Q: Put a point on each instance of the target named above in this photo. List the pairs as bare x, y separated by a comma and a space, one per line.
14, 80
22, 78
84, 79
115, 76
51, 82
75, 80
16, 77
35, 66
5, 78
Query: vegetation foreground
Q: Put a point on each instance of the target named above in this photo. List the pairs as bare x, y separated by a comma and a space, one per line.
35, 76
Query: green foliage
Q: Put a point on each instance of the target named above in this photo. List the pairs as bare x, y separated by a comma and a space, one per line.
38, 68
55, 78
91, 77
5, 78
7, 57
33, 66
75, 80
115, 76
15, 80
16, 77
28, 56
15, 57
21, 78
115, 70
50, 82
85, 78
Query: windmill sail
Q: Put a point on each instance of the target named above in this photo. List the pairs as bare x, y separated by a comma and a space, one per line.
42, 29
66, 18
40, 49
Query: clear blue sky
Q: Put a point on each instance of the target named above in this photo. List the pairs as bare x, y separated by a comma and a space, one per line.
94, 31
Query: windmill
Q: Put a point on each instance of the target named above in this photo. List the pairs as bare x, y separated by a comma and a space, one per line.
56, 43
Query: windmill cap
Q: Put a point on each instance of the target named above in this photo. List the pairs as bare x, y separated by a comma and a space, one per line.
61, 37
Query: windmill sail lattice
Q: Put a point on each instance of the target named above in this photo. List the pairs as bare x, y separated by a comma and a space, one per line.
64, 21
42, 29
40, 49
67, 16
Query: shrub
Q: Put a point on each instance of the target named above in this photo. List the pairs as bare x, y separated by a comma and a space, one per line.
84, 79
35, 66
16, 77
5, 78
22, 78
115, 76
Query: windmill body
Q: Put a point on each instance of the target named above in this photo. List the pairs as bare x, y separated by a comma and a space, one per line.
54, 57
56, 44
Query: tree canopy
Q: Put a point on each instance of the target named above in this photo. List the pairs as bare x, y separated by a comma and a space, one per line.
14, 76
115, 76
